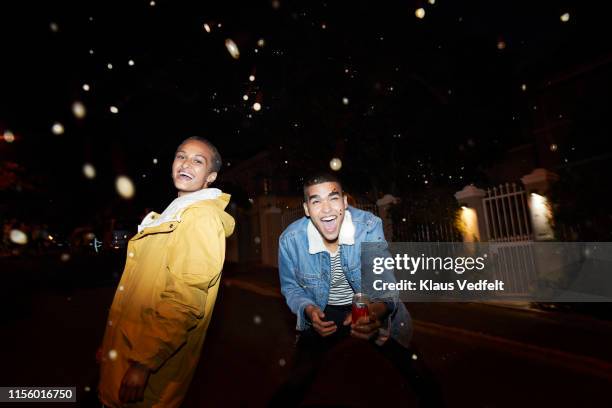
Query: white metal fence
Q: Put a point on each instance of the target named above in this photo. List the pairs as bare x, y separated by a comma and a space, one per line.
439, 231
506, 214
514, 264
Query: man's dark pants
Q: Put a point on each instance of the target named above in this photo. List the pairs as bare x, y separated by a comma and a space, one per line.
311, 350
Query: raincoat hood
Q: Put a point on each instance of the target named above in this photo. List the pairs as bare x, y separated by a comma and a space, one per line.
212, 197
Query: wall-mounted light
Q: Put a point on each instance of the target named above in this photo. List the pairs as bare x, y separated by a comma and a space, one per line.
541, 217
468, 224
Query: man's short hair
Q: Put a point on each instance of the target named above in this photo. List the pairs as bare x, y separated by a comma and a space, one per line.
216, 157
319, 178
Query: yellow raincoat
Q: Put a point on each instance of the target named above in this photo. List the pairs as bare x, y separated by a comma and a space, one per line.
164, 303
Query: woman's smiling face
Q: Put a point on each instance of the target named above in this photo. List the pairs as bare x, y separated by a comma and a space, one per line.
191, 169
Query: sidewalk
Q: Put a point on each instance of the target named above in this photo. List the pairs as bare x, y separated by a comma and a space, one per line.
572, 333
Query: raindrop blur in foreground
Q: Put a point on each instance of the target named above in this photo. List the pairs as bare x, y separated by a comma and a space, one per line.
420, 13
78, 109
335, 164
257, 319
89, 170
9, 137
256, 106
232, 48
112, 354
18, 237
57, 128
124, 187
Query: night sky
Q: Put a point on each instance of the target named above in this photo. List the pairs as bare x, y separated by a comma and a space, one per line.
400, 99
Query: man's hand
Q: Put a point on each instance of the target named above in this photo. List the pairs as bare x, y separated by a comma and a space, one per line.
316, 315
134, 383
367, 327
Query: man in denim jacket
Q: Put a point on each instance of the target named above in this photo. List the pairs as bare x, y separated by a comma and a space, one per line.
320, 270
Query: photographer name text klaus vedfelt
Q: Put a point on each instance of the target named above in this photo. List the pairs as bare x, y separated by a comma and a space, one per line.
431, 285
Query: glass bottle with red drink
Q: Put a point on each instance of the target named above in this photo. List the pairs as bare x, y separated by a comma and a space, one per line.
360, 307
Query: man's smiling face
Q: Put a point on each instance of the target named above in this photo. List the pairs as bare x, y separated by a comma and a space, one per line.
325, 205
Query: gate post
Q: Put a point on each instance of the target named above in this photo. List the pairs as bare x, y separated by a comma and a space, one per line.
472, 213
538, 184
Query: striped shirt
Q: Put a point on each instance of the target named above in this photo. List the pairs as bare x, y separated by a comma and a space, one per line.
340, 291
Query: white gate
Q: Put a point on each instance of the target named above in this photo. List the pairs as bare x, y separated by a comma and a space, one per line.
508, 226
506, 214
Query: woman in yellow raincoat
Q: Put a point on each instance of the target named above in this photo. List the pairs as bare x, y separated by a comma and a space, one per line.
164, 301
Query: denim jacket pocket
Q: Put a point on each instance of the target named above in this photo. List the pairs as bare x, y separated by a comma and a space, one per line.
308, 280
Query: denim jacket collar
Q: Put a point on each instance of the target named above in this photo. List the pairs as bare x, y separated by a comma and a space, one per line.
346, 236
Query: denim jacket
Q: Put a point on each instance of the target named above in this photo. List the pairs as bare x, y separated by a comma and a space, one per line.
305, 278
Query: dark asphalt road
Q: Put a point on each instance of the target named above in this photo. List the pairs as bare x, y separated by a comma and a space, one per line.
483, 356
